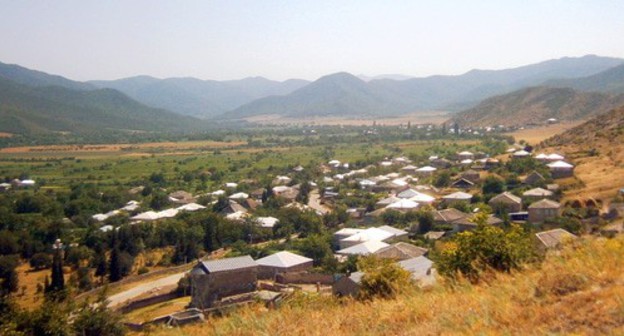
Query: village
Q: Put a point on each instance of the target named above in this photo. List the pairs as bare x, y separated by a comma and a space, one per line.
402, 211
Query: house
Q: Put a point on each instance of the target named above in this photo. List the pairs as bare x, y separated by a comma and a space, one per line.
281, 180
367, 184
465, 155
386, 201
462, 183
471, 175
397, 233
215, 279
401, 251
542, 210
239, 196
434, 235
181, 197
561, 169
441, 163
232, 207
364, 248
370, 234
521, 154
553, 238
403, 205
425, 171
448, 216
457, 197
344, 233
466, 223
257, 194
282, 262
421, 269
506, 202
536, 194
267, 222
348, 285
191, 207
409, 169
534, 178
4, 187
287, 193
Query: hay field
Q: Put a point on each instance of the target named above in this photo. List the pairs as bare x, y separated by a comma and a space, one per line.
433, 117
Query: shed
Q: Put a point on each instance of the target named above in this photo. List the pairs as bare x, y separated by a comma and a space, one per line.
282, 262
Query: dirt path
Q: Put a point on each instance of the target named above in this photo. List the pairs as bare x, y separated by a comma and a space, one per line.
315, 202
119, 298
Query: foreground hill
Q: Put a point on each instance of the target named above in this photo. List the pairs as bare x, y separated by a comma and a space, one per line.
201, 98
577, 292
344, 95
40, 109
536, 105
597, 148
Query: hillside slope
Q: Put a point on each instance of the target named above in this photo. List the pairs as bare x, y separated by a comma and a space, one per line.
536, 105
27, 110
30, 77
577, 292
597, 149
611, 80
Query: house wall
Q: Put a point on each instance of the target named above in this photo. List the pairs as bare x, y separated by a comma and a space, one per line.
269, 272
508, 207
561, 173
540, 215
345, 287
208, 288
304, 278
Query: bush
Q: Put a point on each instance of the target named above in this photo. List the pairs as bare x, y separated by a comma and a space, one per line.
382, 278
41, 261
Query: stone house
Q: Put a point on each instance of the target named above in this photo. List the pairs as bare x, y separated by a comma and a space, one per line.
506, 202
215, 279
542, 210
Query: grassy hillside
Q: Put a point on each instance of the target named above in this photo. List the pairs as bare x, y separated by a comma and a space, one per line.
25, 109
597, 148
29, 77
536, 105
611, 80
580, 291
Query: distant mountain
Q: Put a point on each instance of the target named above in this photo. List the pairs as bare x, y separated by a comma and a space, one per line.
346, 95
41, 109
397, 77
340, 94
537, 104
29, 77
610, 80
200, 98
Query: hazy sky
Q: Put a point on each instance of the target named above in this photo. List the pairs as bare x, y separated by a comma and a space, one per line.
233, 39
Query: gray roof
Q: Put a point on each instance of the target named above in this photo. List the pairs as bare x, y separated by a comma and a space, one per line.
401, 251
553, 238
506, 197
227, 264
419, 267
283, 259
545, 204
396, 232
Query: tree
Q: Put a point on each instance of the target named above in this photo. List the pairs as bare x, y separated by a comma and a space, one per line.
486, 247
493, 185
442, 180
382, 278
58, 281
304, 192
97, 320
8, 276
114, 268
425, 220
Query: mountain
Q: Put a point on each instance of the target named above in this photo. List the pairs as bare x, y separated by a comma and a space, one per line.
339, 94
535, 105
41, 109
610, 80
607, 127
201, 98
463, 91
397, 77
29, 77
346, 95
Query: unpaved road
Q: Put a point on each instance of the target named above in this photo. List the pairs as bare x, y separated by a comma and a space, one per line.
119, 298
314, 202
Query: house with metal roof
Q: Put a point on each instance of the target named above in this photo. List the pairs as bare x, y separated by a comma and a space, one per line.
364, 248
215, 279
282, 262
543, 210
506, 202
553, 238
401, 251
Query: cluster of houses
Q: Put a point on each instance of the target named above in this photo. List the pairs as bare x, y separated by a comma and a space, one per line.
17, 183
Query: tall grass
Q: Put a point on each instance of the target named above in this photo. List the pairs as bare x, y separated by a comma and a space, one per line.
579, 290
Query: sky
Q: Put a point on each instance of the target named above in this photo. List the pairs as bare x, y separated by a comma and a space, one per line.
233, 39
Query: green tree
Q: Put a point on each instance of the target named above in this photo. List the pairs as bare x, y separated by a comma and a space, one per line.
493, 185
58, 281
97, 320
8, 275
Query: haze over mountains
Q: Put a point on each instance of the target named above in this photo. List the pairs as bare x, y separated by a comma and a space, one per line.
33, 101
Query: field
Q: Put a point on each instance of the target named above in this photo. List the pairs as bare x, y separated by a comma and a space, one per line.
580, 292
536, 135
433, 117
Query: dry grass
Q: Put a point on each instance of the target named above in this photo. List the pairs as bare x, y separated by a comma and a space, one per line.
580, 291
5, 135
433, 117
538, 134
161, 309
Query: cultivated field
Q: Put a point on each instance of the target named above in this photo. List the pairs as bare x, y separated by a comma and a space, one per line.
433, 117
536, 135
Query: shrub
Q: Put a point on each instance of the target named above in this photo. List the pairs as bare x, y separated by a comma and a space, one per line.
40, 261
382, 278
